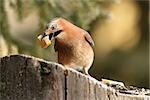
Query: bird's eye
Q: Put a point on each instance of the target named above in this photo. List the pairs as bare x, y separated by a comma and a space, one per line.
53, 27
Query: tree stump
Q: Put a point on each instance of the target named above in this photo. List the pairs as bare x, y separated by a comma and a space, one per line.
28, 78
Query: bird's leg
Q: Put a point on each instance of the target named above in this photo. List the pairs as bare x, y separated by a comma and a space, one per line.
85, 71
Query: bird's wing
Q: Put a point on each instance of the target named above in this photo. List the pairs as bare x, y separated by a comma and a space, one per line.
89, 39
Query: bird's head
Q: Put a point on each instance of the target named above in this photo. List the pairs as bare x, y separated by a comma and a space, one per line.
53, 30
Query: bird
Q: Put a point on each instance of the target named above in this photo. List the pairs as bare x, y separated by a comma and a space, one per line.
74, 45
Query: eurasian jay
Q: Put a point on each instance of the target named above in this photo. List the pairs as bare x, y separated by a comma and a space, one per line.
73, 44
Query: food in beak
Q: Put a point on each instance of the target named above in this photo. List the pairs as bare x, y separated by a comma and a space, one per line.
44, 41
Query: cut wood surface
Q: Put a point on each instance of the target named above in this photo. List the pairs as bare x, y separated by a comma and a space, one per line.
28, 78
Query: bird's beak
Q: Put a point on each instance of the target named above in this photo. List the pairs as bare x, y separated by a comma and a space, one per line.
45, 40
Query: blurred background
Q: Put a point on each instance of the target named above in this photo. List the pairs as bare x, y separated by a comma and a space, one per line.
120, 29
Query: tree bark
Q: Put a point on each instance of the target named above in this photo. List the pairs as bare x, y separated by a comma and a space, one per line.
28, 78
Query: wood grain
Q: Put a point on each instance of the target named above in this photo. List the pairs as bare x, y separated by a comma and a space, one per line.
28, 78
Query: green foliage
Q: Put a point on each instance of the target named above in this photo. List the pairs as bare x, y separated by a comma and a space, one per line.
80, 12
4, 27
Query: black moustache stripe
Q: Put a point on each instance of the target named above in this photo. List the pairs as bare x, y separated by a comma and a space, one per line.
57, 32
50, 36
54, 34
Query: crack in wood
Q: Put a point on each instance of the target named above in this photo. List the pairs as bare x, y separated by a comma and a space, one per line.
66, 90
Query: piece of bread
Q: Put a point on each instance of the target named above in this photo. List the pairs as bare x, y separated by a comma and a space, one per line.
44, 42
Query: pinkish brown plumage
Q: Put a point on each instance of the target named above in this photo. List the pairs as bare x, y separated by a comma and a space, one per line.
73, 44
